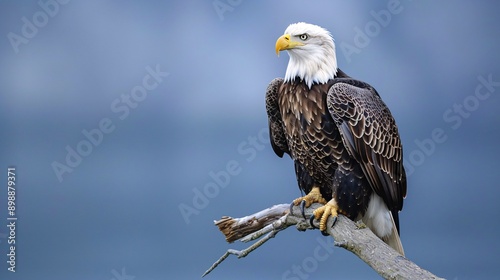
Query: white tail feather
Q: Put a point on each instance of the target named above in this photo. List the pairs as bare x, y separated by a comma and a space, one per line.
379, 219
393, 239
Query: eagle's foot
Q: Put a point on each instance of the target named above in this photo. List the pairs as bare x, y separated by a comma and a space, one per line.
323, 213
313, 196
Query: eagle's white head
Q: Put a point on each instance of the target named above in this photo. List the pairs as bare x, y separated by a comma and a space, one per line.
312, 53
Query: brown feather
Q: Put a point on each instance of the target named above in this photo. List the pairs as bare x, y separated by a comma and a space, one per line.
376, 143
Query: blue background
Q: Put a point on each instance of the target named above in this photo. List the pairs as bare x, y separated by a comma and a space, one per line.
118, 213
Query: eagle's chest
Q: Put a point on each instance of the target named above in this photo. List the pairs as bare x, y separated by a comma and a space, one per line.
302, 112
311, 134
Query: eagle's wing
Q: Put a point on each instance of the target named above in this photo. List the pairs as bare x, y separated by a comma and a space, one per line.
371, 136
276, 133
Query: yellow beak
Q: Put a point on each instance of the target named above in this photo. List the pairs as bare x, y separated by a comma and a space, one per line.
285, 43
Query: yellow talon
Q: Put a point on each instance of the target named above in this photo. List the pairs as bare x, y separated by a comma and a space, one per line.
313, 196
324, 212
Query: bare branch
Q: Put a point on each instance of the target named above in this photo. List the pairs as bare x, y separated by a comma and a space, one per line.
235, 229
355, 238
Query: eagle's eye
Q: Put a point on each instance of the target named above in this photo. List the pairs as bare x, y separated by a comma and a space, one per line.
303, 37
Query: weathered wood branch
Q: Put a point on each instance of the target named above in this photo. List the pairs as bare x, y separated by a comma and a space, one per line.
354, 237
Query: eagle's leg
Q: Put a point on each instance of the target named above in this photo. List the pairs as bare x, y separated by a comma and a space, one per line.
322, 214
313, 196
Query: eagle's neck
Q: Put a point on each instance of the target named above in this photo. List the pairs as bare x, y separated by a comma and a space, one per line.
312, 65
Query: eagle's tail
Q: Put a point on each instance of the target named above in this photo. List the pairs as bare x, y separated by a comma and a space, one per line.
393, 239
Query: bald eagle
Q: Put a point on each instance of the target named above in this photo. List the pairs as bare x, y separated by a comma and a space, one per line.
340, 134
